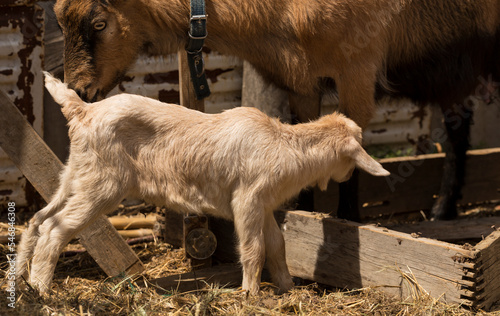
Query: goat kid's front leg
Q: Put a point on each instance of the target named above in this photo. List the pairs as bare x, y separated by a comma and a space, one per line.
275, 254
249, 226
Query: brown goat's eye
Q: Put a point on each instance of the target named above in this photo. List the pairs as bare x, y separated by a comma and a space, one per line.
99, 26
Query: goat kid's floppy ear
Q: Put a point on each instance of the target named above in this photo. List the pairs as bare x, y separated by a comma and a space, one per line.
364, 161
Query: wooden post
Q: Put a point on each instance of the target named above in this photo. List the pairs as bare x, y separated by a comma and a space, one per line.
186, 89
41, 167
259, 93
188, 100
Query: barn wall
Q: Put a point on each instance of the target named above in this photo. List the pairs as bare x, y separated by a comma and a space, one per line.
21, 58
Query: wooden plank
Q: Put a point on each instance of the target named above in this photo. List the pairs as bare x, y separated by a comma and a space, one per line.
27, 150
109, 249
351, 255
482, 177
188, 99
41, 167
488, 289
173, 227
223, 275
453, 230
259, 93
414, 183
186, 89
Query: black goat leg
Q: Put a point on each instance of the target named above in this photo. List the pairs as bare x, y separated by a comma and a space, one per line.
457, 120
348, 199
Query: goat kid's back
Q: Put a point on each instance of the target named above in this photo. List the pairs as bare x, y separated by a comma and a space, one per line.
163, 147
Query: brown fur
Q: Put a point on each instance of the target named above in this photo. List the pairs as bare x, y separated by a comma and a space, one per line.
294, 42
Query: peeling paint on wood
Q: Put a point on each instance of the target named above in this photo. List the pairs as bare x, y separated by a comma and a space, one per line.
21, 59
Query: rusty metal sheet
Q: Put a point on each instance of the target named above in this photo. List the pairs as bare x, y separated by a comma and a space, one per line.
21, 59
158, 78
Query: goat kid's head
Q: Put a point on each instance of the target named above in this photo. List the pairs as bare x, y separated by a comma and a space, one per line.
100, 43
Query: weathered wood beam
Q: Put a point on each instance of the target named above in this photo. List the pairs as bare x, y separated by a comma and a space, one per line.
453, 230
223, 275
414, 183
487, 288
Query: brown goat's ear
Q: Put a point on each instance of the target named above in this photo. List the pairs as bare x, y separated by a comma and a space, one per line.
363, 160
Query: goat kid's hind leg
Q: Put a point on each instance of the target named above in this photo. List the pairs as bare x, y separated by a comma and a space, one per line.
58, 230
275, 254
30, 236
249, 226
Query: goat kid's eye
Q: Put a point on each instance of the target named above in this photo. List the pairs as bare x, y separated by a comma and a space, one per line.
99, 26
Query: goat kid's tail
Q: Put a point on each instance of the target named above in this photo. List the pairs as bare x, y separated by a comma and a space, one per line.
70, 102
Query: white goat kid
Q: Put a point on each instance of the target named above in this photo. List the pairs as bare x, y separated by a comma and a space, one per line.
239, 165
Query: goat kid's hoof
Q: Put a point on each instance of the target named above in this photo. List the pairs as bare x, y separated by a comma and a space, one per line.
39, 287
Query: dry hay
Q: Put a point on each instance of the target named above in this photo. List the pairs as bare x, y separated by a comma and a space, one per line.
81, 288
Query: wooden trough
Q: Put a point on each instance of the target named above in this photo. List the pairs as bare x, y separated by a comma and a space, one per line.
351, 255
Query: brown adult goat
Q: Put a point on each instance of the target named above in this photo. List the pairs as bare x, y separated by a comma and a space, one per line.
432, 51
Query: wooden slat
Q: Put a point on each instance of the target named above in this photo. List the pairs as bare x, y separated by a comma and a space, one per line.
351, 255
188, 100
186, 88
41, 167
259, 93
414, 183
454, 230
489, 257
223, 275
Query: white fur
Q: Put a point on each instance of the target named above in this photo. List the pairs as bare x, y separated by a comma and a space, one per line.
239, 165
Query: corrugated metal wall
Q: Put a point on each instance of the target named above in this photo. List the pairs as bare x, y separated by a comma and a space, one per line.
21, 59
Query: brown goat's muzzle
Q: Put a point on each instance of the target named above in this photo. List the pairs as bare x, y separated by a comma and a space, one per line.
90, 95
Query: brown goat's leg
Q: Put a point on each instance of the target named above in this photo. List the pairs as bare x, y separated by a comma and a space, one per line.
357, 101
457, 121
348, 199
304, 108
275, 254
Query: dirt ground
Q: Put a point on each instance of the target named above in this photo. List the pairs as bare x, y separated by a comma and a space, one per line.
82, 288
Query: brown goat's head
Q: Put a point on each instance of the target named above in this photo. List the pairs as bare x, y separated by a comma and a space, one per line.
100, 43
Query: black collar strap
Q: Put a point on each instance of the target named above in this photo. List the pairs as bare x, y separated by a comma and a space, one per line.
197, 34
